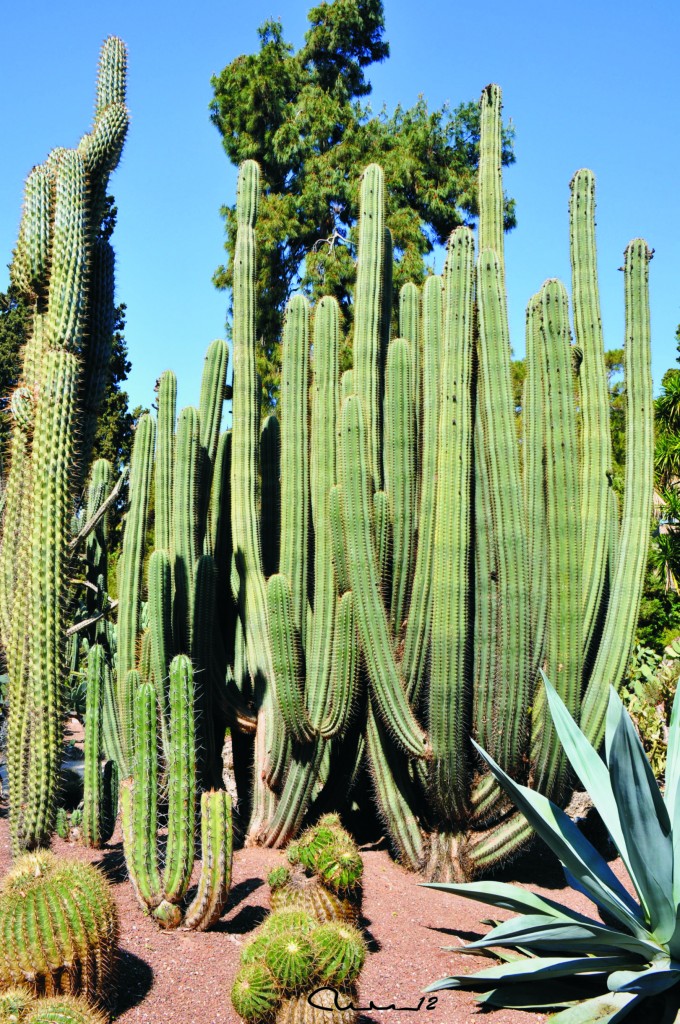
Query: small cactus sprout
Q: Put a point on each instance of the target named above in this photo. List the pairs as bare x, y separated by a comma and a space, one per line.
255, 992
340, 868
290, 958
339, 952
278, 877
71, 946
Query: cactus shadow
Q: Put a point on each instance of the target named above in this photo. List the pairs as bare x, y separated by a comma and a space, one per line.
138, 976
249, 917
113, 863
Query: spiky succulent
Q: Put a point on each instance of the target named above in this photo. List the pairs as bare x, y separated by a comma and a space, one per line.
633, 952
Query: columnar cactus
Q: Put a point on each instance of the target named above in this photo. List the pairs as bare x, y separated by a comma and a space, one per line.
160, 893
59, 927
63, 268
457, 568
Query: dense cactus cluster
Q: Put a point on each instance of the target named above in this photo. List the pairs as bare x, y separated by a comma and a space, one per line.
17, 1006
433, 553
58, 928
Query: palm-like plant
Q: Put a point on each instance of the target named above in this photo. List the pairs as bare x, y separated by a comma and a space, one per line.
632, 952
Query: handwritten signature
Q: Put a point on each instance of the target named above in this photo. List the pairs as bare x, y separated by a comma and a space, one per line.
429, 1001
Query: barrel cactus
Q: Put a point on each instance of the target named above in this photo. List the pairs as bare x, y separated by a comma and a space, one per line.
18, 1007
292, 962
59, 927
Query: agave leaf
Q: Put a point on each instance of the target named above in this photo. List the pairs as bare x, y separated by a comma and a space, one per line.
536, 969
606, 1009
647, 982
578, 855
615, 711
556, 995
508, 897
646, 827
539, 932
673, 766
589, 767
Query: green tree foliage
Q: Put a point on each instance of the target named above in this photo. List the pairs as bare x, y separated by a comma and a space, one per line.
300, 115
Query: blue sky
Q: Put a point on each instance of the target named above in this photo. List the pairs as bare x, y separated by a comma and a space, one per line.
591, 85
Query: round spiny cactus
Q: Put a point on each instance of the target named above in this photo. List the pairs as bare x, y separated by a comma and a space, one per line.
340, 867
289, 922
311, 844
255, 993
278, 877
290, 958
14, 1004
297, 1009
62, 1010
339, 953
300, 891
59, 928
255, 949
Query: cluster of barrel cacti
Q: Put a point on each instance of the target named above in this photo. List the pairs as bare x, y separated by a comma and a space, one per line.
59, 927
63, 270
309, 948
429, 563
17, 1006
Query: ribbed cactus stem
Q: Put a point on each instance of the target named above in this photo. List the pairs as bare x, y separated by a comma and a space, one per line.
160, 629
93, 788
399, 447
130, 576
270, 514
294, 544
450, 667
387, 687
165, 457
182, 781
490, 176
185, 505
368, 316
564, 639
216, 858
596, 452
626, 586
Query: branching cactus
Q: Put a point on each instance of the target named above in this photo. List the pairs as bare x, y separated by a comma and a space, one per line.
63, 268
161, 891
455, 551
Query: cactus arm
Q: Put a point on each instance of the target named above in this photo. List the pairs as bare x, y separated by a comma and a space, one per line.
91, 828
417, 637
182, 782
490, 176
101, 325
410, 329
160, 626
165, 456
213, 387
323, 476
130, 571
386, 684
140, 803
563, 551
335, 517
449, 672
185, 505
250, 592
596, 453
216, 855
394, 793
383, 542
367, 309
399, 445
343, 697
203, 661
294, 544
628, 578
286, 656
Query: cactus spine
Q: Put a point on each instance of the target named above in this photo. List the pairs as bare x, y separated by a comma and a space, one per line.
64, 270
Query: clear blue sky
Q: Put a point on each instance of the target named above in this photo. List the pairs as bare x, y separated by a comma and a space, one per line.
593, 85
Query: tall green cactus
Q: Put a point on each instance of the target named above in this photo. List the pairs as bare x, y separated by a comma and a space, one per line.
63, 268
465, 566
160, 893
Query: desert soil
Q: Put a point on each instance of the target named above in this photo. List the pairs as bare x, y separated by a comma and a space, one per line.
185, 977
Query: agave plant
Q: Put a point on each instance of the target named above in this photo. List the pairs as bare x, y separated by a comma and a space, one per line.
551, 956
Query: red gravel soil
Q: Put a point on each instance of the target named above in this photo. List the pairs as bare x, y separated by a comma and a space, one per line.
184, 977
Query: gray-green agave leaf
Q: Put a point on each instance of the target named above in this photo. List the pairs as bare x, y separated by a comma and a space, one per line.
592, 972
